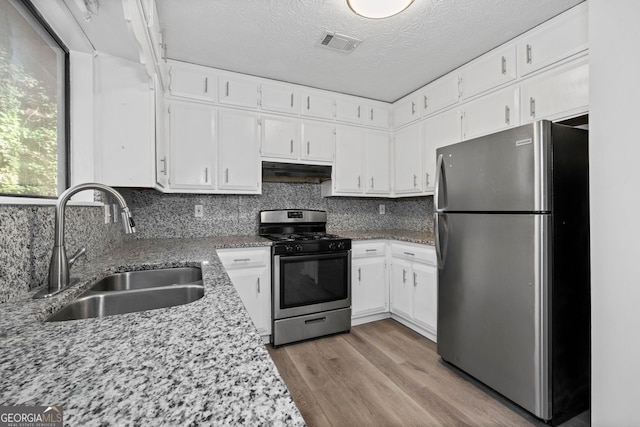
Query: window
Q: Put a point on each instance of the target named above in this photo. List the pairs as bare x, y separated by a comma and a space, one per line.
33, 113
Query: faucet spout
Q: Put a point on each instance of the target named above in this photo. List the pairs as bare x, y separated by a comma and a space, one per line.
59, 266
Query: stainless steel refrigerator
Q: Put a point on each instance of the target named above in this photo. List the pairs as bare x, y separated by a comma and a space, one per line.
512, 239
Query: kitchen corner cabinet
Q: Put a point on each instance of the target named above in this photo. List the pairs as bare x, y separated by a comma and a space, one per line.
408, 160
414, 287
369, 284
406, 111
250, 272
238, 150
194, 82
192, 145
560, 93
377, 116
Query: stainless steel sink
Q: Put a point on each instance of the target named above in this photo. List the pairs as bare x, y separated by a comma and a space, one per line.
128, 293
148, 279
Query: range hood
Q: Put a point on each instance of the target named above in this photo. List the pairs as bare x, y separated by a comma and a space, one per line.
294, 172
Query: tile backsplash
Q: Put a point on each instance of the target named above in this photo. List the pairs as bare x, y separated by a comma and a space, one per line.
160, 215
26, 240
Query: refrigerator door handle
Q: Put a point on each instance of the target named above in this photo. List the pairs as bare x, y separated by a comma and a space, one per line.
441, 187
441, 249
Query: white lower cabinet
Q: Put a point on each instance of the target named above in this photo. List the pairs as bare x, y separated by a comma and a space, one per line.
250, 272
369, 285
414, 287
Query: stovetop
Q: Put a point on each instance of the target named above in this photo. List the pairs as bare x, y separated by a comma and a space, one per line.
301, 237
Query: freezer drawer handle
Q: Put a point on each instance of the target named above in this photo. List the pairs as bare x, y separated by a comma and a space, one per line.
316, 320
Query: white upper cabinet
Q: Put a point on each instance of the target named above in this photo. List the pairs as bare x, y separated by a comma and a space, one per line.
280, 138
489, 71
192, 144
406, 111
376, 116
348, 169
282, 98
318, 141
438, 131
318, 104
241, 92
377, 148
559, 38
408, 160
239, 160
563, 92
491, 113
194, 82
440, 94
349, 110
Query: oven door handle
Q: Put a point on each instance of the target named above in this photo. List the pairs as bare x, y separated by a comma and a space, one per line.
318, 256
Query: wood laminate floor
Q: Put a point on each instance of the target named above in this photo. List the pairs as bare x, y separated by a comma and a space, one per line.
384, 374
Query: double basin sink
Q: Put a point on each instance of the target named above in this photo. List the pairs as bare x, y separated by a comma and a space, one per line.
135, 291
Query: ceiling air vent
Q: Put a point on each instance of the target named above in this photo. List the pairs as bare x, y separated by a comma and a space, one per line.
339, 42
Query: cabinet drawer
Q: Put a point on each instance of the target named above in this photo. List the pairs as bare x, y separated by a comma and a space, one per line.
243, 258
417, 253
367, 249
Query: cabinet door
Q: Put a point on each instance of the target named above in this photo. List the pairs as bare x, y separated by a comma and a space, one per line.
369, 293
559, 38
489, 71
563, 92
193, 82
239, 160
401, 285
318, 141
376, 116
192, 130
253, 286
348, 110
280, 138
425, 296
349, 161
438, 131
491, 113
280, 97
238, 91
440, 94
377, 149
406, 111
318, 105
408, 160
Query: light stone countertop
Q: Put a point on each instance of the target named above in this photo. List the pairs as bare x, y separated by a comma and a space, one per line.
421, 237
201, 363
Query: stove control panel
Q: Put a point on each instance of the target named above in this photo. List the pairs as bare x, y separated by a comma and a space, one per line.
311, 246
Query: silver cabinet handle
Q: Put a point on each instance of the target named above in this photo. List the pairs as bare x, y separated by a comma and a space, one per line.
308, 147
504, 65
258, 284
529, 55
404, 276
427, 179
308, 102
358, 111
409, 253
426, 102
227, 89
359, 275
415, 180
415, 279
532, 107
242, 259
372, 114
164, 165
358, 181
226, 175
413, 108
206, 175
372, 183
206, 84
292, 145
371, 250
291, 99
507, 115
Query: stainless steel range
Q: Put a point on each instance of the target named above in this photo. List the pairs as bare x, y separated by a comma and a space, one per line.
311, 275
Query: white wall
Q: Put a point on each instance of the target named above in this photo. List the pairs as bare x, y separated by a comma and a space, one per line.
614, 33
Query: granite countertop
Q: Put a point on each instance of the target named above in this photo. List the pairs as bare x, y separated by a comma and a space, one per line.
194, 364
421, 237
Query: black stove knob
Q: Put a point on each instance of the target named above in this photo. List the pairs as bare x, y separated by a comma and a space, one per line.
298, 248
332, 246
289, 248
340, 245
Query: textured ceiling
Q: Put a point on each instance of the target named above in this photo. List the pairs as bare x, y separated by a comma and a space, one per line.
279, 39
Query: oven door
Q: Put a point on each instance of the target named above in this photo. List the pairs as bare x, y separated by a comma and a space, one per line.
304, 284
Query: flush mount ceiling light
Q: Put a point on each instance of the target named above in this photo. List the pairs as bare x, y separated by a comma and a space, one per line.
378, 9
